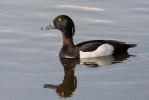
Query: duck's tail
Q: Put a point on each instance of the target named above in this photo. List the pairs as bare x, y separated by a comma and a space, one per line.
131, 45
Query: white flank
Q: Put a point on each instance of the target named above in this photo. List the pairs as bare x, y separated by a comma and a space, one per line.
103, 50
80, 7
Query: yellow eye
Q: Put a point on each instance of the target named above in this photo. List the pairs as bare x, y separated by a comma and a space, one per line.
62, 94
59, 19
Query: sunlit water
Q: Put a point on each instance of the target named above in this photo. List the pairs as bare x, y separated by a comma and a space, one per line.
30, 68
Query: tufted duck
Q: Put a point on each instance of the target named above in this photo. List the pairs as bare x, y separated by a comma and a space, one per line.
87, 49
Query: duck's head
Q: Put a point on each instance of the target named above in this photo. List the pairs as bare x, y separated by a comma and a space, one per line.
63, 23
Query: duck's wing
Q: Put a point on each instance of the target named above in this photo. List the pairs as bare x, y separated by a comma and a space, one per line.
92, 45
88, 46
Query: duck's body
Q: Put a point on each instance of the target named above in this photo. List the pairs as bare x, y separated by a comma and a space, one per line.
87, 49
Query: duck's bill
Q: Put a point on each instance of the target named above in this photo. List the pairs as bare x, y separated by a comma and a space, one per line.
51, 26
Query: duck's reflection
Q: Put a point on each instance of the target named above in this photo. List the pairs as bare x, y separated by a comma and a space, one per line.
105, 61
69, 84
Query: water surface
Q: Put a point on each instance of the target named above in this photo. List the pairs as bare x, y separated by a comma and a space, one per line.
30, 68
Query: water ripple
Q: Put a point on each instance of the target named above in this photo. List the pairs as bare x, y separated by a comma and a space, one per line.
80, 7
142, 9
98, 21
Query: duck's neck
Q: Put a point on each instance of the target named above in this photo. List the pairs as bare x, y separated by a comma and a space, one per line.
67, 39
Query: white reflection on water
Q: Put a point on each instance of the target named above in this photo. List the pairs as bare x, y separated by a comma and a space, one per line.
6, 30
39, 14
101, 61
142, 9
80, 7
98, 21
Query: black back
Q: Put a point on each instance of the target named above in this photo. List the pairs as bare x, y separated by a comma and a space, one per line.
92, 45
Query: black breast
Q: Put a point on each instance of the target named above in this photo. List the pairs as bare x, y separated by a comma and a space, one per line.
69, 52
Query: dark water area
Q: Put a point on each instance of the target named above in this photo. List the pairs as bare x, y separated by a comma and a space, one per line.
30, 68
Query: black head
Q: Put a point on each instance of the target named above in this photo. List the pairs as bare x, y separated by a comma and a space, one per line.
64, 23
